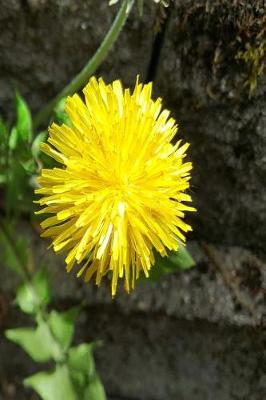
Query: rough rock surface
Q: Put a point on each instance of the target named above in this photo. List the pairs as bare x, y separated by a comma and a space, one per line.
198, 334
204, 83
44, 43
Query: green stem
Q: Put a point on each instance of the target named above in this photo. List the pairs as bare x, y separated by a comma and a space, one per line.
82, 78
23, 271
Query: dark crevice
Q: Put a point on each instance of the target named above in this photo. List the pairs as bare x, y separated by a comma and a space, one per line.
25, 5
157, 46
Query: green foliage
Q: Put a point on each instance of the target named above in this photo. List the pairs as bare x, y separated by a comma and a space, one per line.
74, 379
60, 116
38, 342
81, 362
15, 254
62, 326
35, 147
179, 260
254, 58
16, 160
19, 159
3, 147
13, 138
94, 390
3, 133
30, 297
53, 385
74, 376
24, 120
83, 373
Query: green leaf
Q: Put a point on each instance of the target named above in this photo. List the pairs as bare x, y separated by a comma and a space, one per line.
37, 342
3, 179
3, 130
26, 300
80, 358
24, 121
29, 298
62, 325
42, 286
13, 138
180, 259
95, 390
29, 166
60, 115
81, 366
54, 385
17, 185
35, 148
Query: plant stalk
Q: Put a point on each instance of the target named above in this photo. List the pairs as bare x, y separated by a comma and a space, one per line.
82, 78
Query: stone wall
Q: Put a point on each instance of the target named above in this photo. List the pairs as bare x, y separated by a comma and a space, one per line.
199, 334
205, 84
193, 335
44, 43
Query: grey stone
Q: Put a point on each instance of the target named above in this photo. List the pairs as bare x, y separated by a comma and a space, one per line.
203, 84
45, 43
189, 336
197, 334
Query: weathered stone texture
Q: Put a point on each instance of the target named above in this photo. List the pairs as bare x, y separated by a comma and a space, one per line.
203, 83
188, 336
44, 43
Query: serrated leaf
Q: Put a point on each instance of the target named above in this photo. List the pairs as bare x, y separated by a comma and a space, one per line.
13, 138
29, 298
54, 385
95, 390
62, 325
24, 120
37, 342
35, 147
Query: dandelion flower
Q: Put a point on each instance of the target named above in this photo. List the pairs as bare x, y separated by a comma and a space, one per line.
118, 193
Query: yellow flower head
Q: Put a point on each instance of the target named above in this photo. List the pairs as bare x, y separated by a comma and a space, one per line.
119, 191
